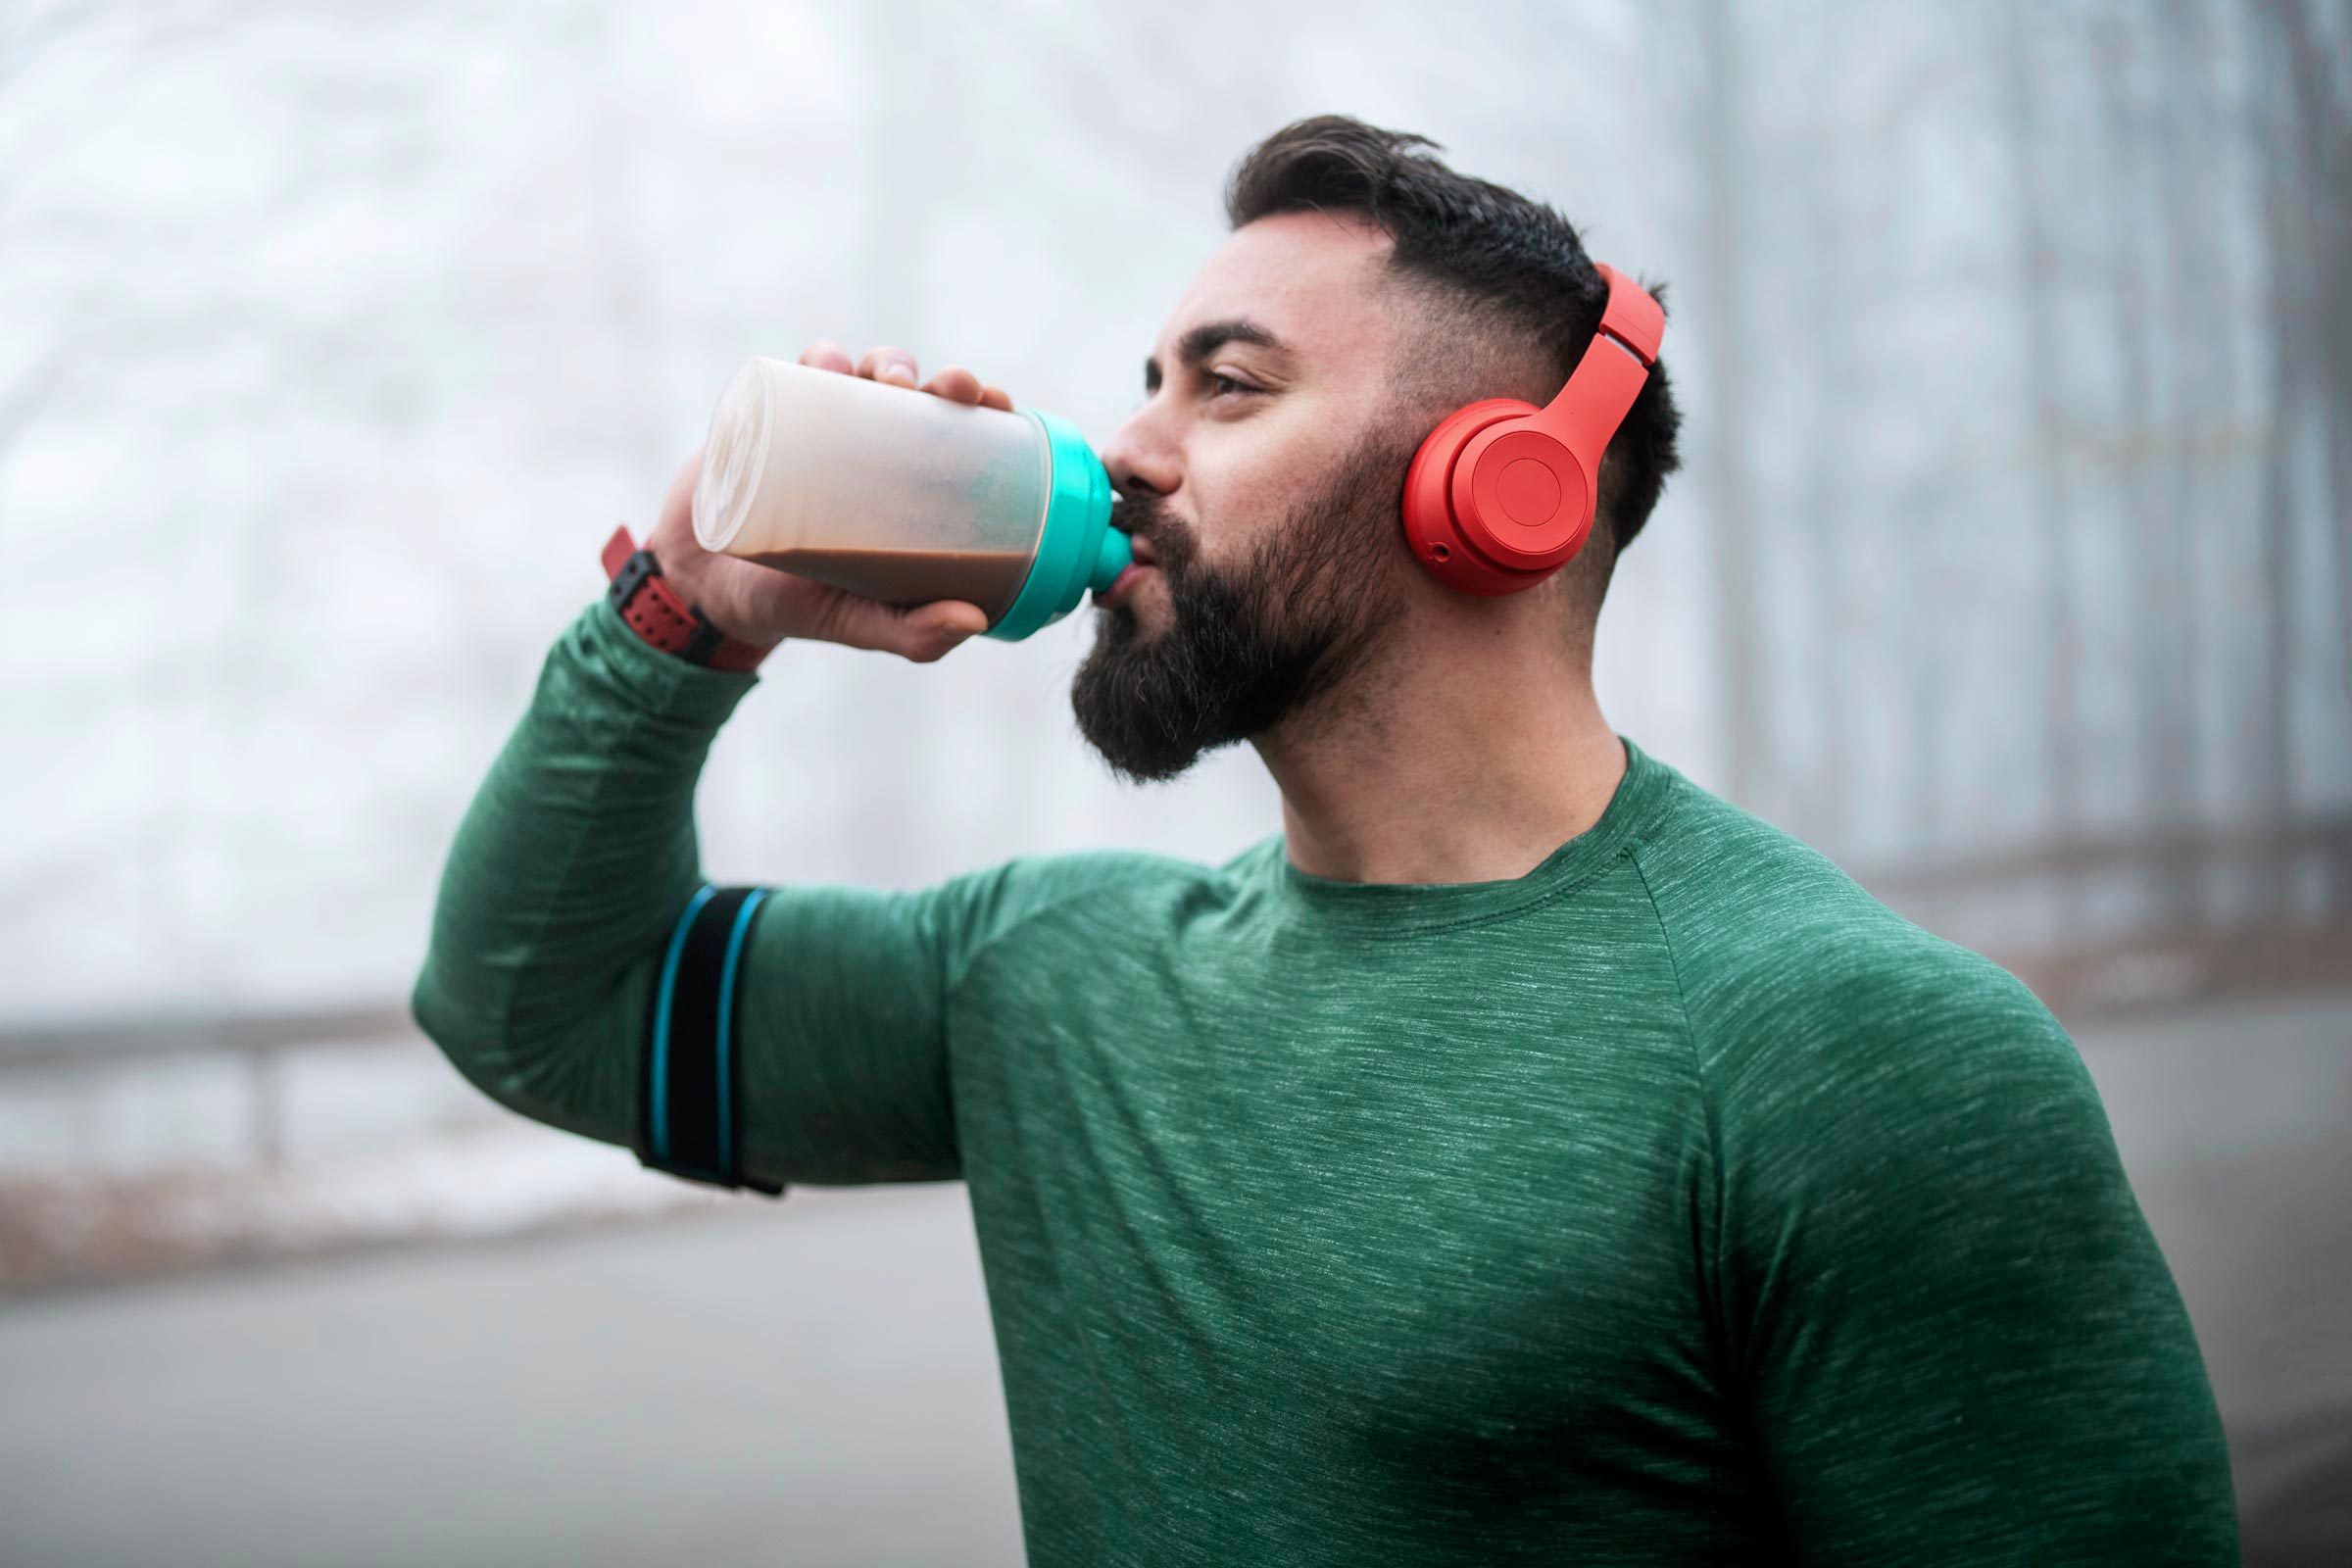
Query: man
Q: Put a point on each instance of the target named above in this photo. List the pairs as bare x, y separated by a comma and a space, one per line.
1524, 1155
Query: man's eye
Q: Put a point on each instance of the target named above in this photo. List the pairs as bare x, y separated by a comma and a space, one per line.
1231, 381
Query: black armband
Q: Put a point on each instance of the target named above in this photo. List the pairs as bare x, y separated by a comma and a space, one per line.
690, 1097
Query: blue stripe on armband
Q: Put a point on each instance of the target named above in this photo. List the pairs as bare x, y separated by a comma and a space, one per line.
726, 1006
661, 1009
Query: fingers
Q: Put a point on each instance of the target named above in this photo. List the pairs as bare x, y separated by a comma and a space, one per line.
960, 385
826, 355
893, 365
922, 634
954, 383
928, 631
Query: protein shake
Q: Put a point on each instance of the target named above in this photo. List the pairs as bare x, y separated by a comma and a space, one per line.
906, 497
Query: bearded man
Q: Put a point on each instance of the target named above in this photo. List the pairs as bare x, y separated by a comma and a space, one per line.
1524, 1155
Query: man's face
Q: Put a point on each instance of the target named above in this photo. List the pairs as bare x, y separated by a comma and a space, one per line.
1266, 477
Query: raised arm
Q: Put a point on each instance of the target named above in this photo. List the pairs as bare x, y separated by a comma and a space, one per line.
561, 903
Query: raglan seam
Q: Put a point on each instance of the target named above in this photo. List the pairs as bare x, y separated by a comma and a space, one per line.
972, 959
1699, 1074
955, 986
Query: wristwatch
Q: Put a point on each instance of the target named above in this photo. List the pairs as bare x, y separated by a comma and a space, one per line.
658, 615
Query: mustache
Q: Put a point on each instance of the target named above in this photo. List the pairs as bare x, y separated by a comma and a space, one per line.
1149, 519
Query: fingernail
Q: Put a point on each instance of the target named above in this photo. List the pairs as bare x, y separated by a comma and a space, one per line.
896, 371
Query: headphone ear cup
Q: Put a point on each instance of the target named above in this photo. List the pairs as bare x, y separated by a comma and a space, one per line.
1433, 530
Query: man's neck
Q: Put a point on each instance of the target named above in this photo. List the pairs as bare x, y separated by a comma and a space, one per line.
1444, 779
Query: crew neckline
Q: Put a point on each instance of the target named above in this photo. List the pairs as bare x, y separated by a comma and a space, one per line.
1403, 907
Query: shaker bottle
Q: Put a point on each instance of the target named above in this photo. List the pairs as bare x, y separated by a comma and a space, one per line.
906, 497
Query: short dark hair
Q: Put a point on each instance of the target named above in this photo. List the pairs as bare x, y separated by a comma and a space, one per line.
1512, 267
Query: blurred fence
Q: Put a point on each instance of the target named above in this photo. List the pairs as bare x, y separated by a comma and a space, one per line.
2011, 566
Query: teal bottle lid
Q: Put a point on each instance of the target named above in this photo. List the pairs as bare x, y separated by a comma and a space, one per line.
1078, 549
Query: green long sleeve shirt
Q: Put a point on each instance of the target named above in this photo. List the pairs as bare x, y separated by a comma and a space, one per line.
1673, 1204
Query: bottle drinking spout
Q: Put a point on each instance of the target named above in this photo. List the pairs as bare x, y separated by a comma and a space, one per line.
1116, 556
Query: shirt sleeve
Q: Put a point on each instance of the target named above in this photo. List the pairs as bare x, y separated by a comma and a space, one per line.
1956, 1335
569, 874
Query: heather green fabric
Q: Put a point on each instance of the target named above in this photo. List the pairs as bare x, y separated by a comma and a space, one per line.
1676, 1203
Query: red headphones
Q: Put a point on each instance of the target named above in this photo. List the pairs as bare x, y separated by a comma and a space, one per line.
1501, 493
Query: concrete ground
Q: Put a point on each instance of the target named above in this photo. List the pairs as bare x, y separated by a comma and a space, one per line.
2236, 1128
812, 1383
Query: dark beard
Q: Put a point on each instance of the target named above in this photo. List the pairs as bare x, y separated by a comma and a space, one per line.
1251, 645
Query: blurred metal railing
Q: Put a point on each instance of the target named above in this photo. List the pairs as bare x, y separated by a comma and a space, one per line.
262, 1042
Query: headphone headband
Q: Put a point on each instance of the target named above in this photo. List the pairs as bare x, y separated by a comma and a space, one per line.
1600, 392
1631, 316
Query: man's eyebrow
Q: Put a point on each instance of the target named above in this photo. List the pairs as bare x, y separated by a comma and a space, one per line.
1206, 339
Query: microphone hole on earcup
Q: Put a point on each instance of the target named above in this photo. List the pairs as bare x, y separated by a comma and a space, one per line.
1441, 551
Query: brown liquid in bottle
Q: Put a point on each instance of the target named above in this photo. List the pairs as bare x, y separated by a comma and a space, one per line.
989, 578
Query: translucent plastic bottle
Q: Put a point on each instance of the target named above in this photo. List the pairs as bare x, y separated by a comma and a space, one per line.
906, 497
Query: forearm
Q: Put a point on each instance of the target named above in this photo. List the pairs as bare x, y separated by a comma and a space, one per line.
571, 864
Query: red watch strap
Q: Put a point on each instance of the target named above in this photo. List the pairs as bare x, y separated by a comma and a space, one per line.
617, 551
654, 610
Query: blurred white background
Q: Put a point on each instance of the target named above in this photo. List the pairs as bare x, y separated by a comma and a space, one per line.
2011, 568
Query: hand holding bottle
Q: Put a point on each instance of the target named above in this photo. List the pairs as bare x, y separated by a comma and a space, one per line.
763, 606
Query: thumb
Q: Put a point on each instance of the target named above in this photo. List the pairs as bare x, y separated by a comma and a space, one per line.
926, 632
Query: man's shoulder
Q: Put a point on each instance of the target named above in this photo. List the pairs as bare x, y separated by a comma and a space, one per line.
1784, 959
1022, 894
1733, 890
1052, 875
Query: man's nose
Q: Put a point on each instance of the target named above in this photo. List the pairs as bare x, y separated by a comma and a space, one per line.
1136, 463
